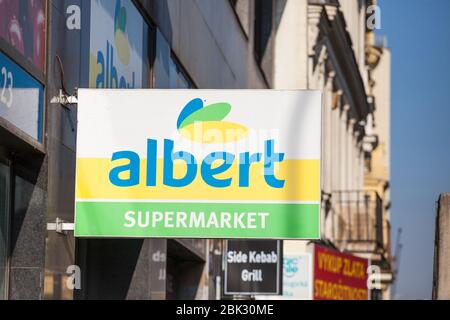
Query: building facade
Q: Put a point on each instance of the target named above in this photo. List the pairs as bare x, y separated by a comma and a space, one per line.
338, 54
271, 44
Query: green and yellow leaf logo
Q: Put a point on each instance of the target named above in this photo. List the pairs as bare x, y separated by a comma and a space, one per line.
204, 124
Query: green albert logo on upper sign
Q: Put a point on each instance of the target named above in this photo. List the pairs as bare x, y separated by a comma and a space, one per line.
120, 34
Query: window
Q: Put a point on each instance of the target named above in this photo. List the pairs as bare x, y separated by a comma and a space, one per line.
168, 72
119, 46
22, 64
22, 26
18, 193
21, 98
263, 27
177, 77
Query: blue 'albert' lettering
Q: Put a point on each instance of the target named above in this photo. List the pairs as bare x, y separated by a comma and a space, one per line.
244, 167
208, 171
269, 165
132, 167
169, 158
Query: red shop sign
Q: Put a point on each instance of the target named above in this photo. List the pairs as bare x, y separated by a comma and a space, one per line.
339, 276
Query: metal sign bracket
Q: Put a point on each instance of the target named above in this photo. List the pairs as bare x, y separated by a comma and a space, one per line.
64, 99
60, 226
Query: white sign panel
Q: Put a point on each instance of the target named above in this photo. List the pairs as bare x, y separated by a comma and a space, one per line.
198, 164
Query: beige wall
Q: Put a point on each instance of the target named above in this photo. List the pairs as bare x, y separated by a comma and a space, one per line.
290, 52
382, 93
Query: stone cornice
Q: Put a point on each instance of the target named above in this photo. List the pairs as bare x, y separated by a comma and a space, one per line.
339, 48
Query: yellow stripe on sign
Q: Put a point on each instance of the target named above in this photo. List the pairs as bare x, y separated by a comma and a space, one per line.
302, 180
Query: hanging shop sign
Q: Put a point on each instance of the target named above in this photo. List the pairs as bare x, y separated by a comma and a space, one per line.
21, 98
339, 276
252, 267
297, 276
118, 38
198, 164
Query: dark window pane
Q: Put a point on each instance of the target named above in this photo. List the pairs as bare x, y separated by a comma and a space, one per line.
22, 25
168, 73
263, 26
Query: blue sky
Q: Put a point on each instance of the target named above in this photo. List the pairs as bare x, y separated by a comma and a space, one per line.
418, 34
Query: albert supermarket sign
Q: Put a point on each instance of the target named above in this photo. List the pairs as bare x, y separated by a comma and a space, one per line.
198, 164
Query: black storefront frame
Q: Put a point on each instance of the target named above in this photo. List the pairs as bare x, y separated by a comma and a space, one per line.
15, 170
7, 163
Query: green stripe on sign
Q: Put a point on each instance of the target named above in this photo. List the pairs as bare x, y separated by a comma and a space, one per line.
197, 220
